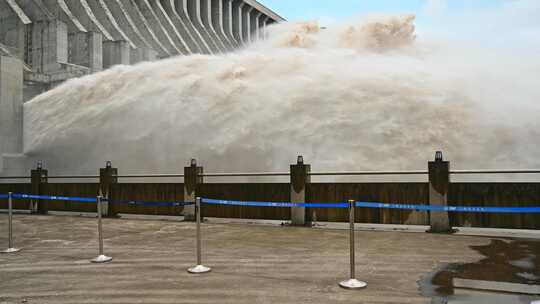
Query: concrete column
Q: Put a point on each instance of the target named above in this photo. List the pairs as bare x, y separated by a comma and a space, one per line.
49, 45
244, 8
139, 21
227, 7
107, 177
252, 18
169, 6
439, 181
181, 8
236, 18
157, 27
194, 12
206, 17
115, 52
256, 32
299, 179
262, 27
216, 16
13, 34
86, 49
142, 54
192, 180
11, 105
171, 28
39, 179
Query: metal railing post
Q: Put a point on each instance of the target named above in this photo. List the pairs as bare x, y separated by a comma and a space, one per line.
352, 282
11, 248
199, 268
101, 258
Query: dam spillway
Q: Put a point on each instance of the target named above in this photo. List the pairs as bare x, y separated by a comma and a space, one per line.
45, 42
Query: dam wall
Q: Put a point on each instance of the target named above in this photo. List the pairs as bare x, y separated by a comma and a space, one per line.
46, 42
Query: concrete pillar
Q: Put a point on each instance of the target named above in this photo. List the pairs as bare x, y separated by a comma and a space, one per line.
236, 20
194, 12
142, 54
244, 9
192, 180
107, 177
157, 27
262, 27
115, 52
185, 31
39, 179
205, 12
252, 21
171, 28
49, 45
299, 179
13, 34
439, 181
181, 9
86, 49
227, 7
11, 105
255, 36
216, 16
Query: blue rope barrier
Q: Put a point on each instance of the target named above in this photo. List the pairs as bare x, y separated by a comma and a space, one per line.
433, 208
438, 208
152, 204
54, 198
273, 204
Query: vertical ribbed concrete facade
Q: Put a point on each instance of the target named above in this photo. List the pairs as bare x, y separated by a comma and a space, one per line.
50, 41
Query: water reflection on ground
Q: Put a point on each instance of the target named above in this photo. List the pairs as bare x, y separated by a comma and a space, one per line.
506, 261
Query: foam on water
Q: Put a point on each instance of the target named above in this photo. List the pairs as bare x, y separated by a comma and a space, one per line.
366, 95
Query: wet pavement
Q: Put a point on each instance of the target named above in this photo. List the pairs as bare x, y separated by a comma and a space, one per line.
250, 263
504, 261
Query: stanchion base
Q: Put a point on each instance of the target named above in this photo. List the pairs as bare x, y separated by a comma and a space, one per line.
353, 284
11, 250
101, 259
199, 269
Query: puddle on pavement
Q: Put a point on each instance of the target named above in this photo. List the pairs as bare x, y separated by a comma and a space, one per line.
509, 261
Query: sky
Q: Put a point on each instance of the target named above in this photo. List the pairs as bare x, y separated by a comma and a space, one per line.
500, 22
338, 9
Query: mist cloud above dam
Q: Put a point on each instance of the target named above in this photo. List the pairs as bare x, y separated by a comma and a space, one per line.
363, 95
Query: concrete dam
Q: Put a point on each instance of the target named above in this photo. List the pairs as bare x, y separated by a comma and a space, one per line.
45, 42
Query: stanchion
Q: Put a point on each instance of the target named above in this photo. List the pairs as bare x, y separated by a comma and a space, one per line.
10, 248
199, 268
101, 258
352, 283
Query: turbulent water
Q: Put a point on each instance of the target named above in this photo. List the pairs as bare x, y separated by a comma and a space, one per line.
363, 96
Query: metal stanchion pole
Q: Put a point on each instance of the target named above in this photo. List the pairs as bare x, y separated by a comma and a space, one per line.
101, 258
10, 248
352, 283
199, 268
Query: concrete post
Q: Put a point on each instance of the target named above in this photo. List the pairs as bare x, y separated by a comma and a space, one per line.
439, 181
86, 49
107, 177
49, 45
142, 54
39, 179
115, 53
299, 178
11, 105
192, 180
95, 51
